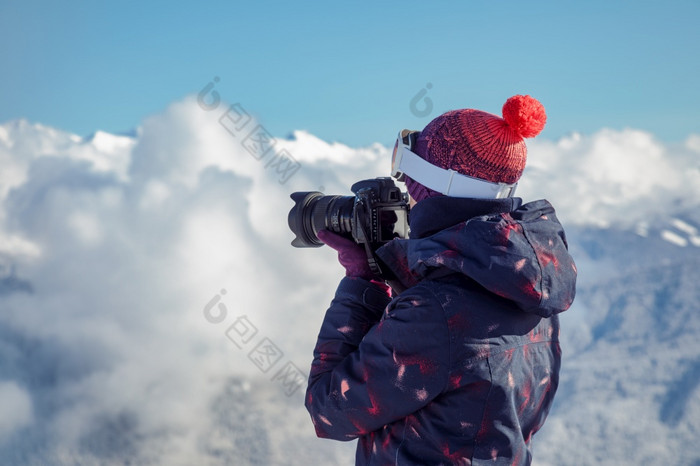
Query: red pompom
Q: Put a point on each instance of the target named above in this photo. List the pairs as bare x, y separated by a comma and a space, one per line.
524, 115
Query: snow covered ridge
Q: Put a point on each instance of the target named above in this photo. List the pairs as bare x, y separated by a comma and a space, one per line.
111, 246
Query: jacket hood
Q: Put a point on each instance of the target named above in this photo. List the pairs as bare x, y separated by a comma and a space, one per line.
518, 252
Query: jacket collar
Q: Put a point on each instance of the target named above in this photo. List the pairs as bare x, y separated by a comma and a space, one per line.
434, 214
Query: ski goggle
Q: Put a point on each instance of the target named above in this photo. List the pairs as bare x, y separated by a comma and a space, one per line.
448, 182
404, 143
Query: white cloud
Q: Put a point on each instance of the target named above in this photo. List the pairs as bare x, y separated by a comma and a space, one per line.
122, 259
15, 409
125, 240
612, 177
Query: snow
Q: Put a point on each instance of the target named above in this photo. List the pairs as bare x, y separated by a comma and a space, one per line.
112, 247
674, 238
684, 227
630, 393
681, 233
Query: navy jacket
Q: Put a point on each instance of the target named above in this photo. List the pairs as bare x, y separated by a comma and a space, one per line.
460, 367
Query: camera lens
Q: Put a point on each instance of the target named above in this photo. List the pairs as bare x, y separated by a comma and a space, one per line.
313, 212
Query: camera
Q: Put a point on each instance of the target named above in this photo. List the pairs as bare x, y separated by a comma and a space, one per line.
376, 214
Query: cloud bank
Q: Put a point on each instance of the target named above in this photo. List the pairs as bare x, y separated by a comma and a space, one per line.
141, 278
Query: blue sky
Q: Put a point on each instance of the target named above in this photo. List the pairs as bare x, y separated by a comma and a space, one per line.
348, 72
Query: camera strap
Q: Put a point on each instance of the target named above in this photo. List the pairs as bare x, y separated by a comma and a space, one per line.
371, 258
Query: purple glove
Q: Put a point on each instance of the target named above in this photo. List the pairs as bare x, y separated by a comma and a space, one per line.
350, 255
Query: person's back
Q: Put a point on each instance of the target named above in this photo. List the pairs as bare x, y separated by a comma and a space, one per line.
461, 366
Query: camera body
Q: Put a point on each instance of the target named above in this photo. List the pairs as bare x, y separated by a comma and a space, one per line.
380, 213
376, 214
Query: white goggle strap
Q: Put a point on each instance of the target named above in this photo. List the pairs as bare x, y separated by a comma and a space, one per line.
448, 182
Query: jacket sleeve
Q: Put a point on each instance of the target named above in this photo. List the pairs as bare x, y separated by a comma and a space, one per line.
369, 372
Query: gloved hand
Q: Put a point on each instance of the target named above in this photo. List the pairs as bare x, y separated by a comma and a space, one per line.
350, 255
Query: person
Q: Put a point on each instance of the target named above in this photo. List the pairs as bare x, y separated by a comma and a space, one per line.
459, 366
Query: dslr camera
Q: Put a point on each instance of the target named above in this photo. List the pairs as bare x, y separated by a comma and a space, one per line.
376, 214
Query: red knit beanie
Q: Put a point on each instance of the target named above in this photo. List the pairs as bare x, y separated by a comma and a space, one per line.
479, 144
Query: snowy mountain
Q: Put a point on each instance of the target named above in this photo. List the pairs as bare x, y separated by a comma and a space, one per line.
630, 388
141, 275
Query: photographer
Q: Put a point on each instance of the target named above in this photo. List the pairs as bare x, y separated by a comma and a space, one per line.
459, 363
